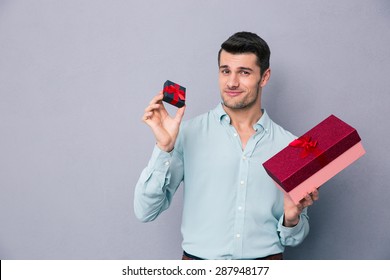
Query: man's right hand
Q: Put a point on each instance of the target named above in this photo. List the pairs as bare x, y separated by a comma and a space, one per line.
164, 127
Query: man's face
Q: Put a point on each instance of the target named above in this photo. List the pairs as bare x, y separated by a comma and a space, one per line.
239, 80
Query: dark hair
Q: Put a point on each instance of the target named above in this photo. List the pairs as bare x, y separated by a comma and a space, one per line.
247, 42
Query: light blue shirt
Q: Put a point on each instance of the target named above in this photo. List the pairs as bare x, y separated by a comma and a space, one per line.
232, 208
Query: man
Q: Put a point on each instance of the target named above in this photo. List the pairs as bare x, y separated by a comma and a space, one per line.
232, 208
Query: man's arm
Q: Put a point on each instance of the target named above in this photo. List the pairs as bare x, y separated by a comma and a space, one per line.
160, 179
157, 184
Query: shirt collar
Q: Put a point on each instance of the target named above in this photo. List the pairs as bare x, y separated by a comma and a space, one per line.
262, 124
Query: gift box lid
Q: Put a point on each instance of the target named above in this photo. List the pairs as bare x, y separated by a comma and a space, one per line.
312, 151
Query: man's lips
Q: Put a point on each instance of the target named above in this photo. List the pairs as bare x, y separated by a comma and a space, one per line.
233, 93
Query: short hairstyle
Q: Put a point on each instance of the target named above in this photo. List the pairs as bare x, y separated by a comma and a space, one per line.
247, 42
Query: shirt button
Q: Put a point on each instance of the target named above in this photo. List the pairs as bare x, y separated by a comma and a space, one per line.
242, 182
235, 134
244, 157
166, 163
239, 208
238, 235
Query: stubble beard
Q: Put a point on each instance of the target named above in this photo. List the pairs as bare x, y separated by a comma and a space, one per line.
245, 103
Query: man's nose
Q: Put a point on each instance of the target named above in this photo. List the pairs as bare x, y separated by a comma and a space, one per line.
233, 81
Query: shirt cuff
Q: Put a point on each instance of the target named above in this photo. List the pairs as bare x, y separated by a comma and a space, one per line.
160, 160
290, 231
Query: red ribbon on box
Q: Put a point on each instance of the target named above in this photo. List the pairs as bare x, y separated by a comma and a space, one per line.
176, 91
308, 145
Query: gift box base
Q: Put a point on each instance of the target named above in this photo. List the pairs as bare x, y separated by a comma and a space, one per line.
169, 100
326, 173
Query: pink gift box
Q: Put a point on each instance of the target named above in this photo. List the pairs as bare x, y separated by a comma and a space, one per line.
315, 157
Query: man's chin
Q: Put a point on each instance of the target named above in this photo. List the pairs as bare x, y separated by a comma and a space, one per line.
234, 106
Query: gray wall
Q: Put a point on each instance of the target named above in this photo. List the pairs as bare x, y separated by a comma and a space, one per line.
75, 77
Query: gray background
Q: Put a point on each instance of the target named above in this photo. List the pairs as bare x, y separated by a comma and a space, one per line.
75, 77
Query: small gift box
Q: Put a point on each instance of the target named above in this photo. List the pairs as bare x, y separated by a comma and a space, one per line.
315, 157
174, 94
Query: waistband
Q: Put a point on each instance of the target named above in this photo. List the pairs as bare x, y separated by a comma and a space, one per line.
278, 256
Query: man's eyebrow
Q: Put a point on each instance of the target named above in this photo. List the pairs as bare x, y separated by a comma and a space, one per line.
246, 68
239, 68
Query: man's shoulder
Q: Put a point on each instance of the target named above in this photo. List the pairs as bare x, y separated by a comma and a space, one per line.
281, 133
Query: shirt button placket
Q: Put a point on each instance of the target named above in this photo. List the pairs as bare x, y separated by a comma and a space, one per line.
240, 206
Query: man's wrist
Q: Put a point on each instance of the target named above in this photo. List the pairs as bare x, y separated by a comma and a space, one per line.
167, 149
290, 222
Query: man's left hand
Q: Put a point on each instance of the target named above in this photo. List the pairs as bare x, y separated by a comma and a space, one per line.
292, 210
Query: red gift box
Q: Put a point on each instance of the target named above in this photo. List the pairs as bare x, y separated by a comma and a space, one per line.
315, 157
174, 94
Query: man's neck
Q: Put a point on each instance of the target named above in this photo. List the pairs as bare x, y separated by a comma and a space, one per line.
243, 121
244, 118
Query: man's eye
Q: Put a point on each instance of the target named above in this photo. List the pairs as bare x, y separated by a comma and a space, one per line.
243, 72
225, 71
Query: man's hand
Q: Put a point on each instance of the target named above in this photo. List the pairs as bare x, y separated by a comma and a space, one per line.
164, 127
292, 210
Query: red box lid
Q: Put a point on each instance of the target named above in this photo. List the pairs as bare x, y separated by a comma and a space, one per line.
293, 165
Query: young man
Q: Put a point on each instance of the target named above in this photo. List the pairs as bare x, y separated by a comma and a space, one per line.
232, 208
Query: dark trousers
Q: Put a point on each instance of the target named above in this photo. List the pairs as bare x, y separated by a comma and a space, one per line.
279, 256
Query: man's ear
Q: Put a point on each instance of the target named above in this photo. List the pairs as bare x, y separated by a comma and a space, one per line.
265, 78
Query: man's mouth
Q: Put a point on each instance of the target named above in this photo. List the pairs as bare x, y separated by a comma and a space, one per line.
233, 93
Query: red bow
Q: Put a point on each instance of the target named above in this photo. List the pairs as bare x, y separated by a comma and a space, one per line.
176, 91
305, 142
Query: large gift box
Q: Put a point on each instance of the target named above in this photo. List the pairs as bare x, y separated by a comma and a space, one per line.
315, 157
174, 94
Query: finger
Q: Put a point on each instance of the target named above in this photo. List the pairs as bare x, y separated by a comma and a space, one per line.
147, 116
306, 201
152, 107
300, 207
157, 99
315, 195
158, 108
180, 113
